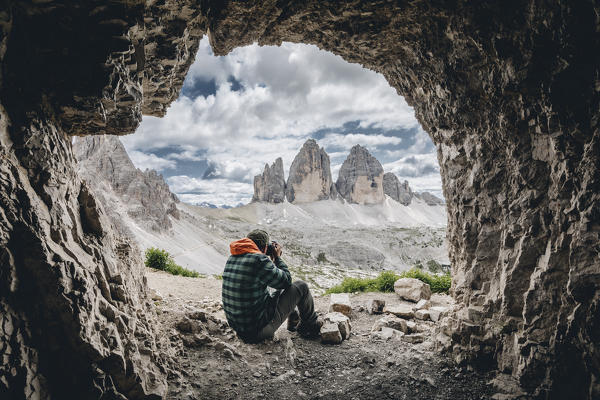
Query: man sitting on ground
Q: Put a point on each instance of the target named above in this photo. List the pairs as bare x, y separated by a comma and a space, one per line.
250, 310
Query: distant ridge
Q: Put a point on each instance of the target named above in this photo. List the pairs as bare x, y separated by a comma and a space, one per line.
361, 180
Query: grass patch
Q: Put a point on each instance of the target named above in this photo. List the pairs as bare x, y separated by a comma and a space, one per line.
163, 261
384, 282
438, 283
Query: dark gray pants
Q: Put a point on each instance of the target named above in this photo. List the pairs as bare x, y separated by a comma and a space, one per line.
296, 295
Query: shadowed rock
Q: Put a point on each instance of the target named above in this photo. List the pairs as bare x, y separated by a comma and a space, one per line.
361, 178
401, 192
270, 185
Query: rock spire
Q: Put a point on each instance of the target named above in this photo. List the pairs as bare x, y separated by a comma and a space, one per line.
270, 185
361, 178
401, 192
310, 175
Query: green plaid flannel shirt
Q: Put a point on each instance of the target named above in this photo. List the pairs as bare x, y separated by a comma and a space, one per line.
245, 295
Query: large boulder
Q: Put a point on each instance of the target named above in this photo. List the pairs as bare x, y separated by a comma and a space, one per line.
310, 175
270, 185
412, 289
361, 178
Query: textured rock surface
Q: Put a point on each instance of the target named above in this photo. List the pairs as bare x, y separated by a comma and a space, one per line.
412, 289
145, 196
361, 178
310, 175
342, 321
340, 302
508, 92
270, 185
401, 192
74, 315
429, 199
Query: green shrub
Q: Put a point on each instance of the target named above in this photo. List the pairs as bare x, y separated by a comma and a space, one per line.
437, 283
321, 258
384, 282
162, 260
434, 266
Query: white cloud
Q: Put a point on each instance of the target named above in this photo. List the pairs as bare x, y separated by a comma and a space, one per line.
289, 93
150, 161
347, 141
215, 191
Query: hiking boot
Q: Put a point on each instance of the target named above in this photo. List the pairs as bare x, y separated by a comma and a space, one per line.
293, 321
312, 330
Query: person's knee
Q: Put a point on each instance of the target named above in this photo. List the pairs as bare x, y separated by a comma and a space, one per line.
301, 286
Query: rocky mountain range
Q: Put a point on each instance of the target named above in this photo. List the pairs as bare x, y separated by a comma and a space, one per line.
143, 195
361, 180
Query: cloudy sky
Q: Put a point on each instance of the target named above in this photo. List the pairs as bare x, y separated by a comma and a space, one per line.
238, 112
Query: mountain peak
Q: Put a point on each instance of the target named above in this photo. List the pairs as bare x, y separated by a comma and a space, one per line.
361, 178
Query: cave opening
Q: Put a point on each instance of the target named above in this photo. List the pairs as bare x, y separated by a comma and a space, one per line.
507, 91
237, 114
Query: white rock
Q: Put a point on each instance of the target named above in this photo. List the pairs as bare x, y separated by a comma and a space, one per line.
436, 313
423, 304
389, 333
411, 326
422, 315
342, 322
330, 333
401, 310
340, 302
412, 289
390, 322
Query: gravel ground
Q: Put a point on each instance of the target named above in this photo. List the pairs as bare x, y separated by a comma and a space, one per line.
220, 366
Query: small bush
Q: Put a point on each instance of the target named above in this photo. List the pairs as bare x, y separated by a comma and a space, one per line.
434, 266
321, 258
162, 260
384, 282
437, 283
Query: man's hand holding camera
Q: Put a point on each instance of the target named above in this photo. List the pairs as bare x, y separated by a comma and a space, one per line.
274, 250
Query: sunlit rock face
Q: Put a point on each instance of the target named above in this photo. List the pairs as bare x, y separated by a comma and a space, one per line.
144, 196
508, 92
310, 175
270, 185
361, 178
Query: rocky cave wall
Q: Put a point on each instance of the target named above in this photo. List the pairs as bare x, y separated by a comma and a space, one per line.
508, 91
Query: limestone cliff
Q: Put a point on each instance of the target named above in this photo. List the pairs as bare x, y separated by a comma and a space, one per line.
270, 185
310, 175
144, 195
361, 178
401, 192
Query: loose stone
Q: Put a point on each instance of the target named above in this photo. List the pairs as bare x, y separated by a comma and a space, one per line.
340, 302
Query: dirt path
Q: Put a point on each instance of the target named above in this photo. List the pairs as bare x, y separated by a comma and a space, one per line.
214, 364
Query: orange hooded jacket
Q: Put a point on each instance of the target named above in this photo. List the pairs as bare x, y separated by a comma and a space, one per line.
243, 246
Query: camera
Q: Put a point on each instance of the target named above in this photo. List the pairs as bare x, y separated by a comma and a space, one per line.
271, 250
